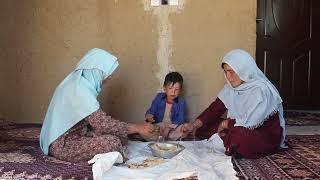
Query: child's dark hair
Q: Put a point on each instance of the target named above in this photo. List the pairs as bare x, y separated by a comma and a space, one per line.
173, 77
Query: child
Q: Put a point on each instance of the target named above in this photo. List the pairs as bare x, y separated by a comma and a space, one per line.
168, 108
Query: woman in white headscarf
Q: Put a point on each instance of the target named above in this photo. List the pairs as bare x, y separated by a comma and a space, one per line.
255, 125
75, 128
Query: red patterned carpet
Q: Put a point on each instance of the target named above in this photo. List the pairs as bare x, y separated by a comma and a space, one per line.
302, 161
294, 118
21, 158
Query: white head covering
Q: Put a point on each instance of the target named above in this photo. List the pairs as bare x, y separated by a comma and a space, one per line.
252, 102
76, 96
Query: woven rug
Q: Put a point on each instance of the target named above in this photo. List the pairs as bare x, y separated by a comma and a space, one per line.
301, 161
294, 118
21, 157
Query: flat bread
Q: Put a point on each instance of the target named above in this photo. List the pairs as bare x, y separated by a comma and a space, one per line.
149, 162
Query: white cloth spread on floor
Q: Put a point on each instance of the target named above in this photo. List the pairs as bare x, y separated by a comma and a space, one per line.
204, 159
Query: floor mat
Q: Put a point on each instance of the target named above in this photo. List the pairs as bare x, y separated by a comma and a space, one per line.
22, 158
301, 161
294, 118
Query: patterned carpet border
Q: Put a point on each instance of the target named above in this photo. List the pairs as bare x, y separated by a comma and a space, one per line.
301, 161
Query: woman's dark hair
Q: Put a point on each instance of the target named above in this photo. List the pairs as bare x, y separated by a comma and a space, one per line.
173, 77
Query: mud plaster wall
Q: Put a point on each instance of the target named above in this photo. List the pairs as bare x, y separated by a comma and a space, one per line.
41, 41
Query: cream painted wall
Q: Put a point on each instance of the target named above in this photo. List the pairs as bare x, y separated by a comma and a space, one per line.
41, 41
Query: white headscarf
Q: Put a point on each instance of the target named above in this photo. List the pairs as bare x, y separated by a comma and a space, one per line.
252, 102
76, 96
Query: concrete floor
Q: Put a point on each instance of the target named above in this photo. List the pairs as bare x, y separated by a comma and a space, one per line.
302, 130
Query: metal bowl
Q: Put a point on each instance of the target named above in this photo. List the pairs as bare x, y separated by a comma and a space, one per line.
165, 150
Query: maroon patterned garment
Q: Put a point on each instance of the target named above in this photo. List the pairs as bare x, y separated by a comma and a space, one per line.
248, 143
97, 133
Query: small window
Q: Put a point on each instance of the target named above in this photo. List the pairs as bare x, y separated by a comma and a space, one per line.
164, 2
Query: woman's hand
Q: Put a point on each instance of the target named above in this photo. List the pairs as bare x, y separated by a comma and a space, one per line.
144, 129
189, 128
186, 129
222, 126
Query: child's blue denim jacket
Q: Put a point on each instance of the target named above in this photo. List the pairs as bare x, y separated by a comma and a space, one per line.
158, 107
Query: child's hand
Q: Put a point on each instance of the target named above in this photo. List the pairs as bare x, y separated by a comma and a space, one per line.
149, 118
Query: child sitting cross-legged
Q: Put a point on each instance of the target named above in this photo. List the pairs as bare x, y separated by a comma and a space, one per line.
168, 108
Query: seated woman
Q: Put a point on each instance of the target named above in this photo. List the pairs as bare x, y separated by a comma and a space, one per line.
255, 125
75, 128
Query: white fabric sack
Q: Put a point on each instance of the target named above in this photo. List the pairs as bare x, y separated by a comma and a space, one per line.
103, 162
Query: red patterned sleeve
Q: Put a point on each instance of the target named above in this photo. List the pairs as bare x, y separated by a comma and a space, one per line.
213, 112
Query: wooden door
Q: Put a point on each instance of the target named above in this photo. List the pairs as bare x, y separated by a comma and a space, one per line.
288, 34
